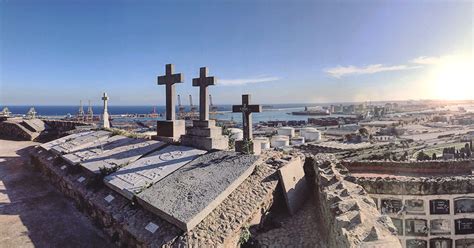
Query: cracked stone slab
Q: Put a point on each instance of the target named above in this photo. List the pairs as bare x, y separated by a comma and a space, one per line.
47, 146
99, 147
187, 196
293, 182
121, 155
148, 170
34, 125
81, 142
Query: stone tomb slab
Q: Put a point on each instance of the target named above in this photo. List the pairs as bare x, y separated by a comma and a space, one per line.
34, 125
81, 142
98, 148
122, 155
293, 182
47, 146
188, 195
148, 170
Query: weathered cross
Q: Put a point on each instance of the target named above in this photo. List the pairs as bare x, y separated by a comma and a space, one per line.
169, 79
246, 109
105, 115
105, 98
202, 82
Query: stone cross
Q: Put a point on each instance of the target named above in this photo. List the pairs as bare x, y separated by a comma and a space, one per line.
105, 116
169, 79
202, 82
246, 109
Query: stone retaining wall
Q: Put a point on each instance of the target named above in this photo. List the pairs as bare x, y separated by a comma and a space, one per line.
124, 222
422, 168
348, 216
418, 185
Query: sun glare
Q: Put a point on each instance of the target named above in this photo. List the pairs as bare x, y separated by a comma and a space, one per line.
453, 78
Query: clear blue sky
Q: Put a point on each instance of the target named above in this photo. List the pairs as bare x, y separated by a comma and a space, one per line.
58, 52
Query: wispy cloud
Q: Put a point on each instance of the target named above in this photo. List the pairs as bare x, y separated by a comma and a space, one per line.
341, 71
242, 81
423, 60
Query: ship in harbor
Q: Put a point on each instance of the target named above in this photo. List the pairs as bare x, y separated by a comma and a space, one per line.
312, 111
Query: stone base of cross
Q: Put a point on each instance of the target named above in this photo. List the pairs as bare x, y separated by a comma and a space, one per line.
170, 130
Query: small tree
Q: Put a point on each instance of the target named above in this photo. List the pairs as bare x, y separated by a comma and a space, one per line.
433, 157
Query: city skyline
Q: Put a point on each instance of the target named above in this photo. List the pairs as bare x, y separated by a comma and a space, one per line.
57, 53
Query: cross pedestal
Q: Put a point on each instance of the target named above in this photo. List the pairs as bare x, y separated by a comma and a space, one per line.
247, 144
204, 134
170, 129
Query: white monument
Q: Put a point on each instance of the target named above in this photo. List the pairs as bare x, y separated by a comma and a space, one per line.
105, 115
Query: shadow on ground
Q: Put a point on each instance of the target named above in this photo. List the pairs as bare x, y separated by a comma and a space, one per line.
32, 212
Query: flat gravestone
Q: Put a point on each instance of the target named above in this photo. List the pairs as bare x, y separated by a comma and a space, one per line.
122, 155
96, 149
81, 142
47, 146
294, 184
148, 170
34, 125
188, 195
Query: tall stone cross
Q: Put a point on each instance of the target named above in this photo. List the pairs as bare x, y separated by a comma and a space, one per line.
105, 116
246, 109
202, 82
169, 79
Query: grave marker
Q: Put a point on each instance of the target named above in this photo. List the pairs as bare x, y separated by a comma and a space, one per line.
170, 128
105, 115
247, 109
204, 134
151, 227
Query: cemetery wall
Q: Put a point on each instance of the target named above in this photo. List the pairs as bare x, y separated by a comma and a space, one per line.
63, 126
449, 167
418, 185
348, 217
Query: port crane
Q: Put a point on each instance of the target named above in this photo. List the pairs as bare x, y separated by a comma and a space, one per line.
212, 109
180, 108
191, 106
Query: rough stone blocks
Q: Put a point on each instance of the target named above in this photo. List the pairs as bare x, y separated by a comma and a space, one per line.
188, 195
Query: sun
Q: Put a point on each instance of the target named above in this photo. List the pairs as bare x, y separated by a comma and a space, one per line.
453, 78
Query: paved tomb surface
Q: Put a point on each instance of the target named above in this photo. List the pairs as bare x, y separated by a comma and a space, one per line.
49, 145
122, 155
81, 142
99, 148
188, 195
148, 170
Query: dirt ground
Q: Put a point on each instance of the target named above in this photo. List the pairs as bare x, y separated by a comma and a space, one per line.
32, 212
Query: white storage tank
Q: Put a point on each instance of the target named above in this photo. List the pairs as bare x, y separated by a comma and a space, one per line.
264, 142
280, 141
303, 130
236, 133
287, 131
297, 141
312, 135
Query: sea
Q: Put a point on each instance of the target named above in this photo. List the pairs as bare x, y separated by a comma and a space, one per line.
276, 112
